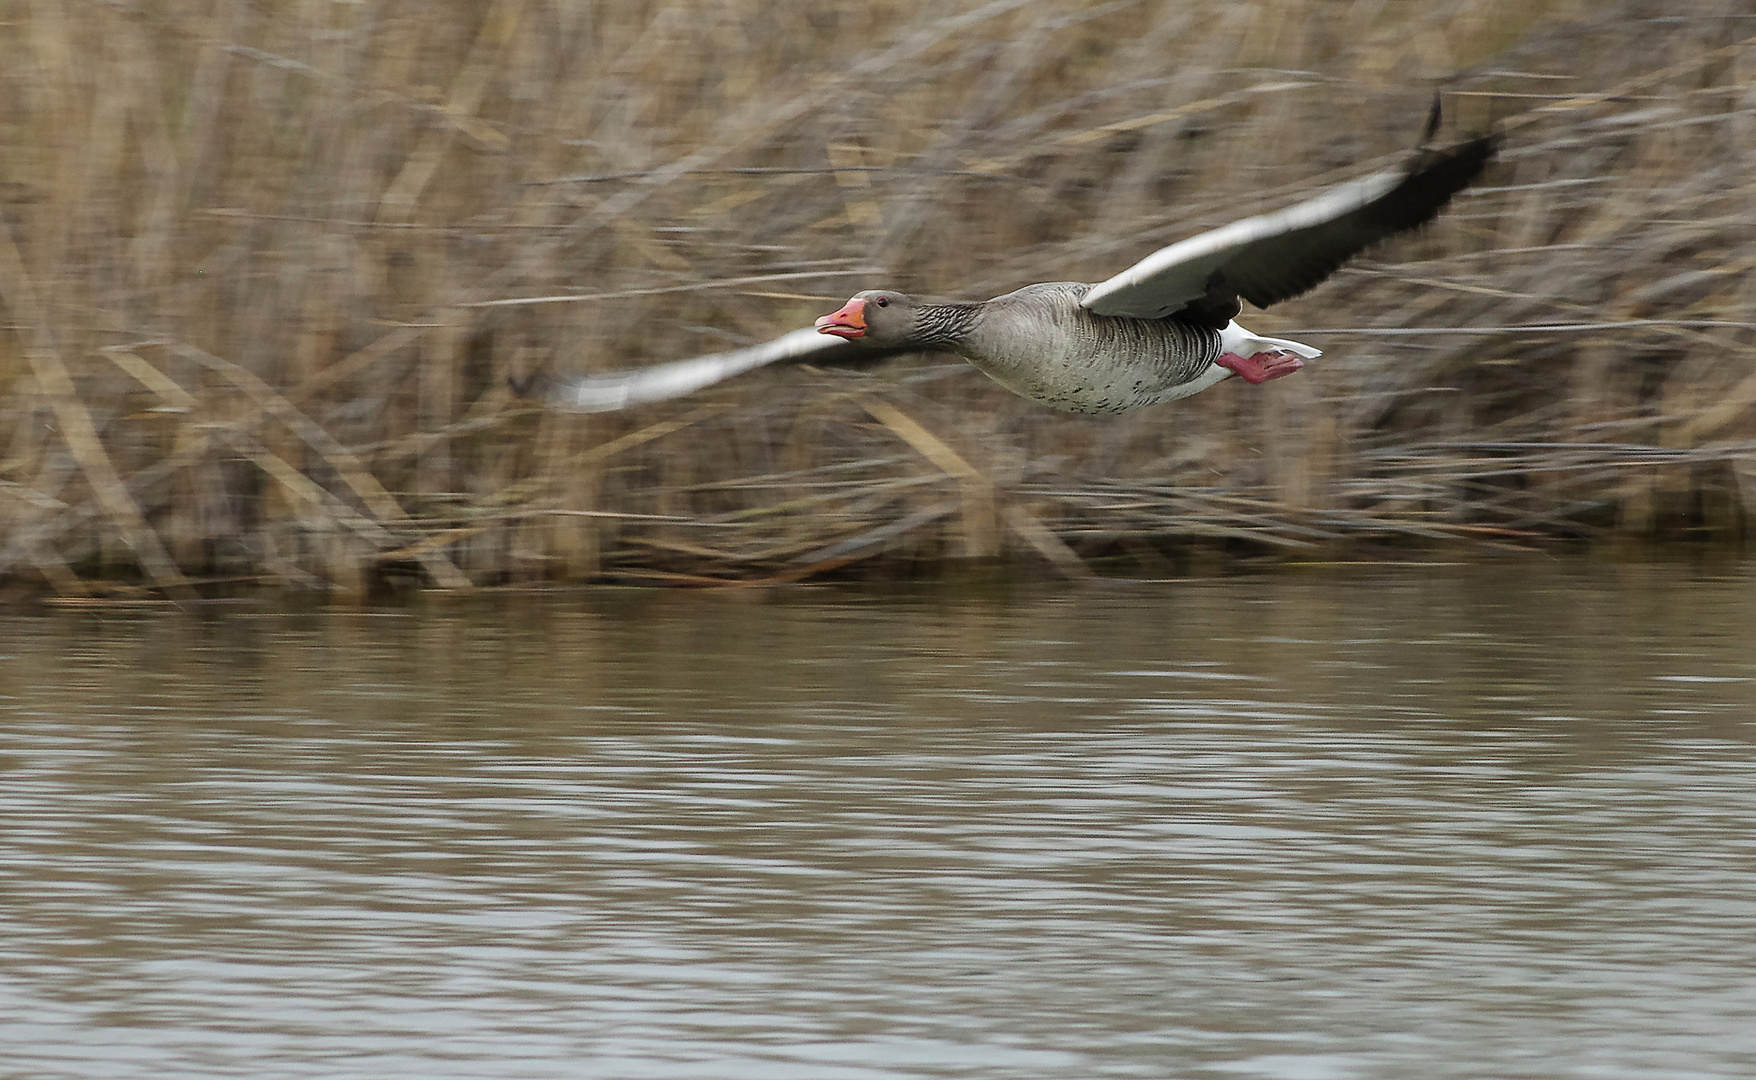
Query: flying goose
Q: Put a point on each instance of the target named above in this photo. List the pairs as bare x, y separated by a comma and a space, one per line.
1160, 330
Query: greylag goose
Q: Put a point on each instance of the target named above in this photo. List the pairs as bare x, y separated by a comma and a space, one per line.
1160, 330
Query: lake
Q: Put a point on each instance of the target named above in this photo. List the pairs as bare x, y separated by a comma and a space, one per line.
1495, 818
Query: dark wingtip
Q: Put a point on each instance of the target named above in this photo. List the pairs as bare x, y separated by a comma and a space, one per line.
1436, 175
1434, 115
1473, 154
1430, 179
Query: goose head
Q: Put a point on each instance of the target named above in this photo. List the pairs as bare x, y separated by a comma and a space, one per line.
874, 317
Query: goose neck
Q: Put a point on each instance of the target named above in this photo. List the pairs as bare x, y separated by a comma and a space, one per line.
945, 324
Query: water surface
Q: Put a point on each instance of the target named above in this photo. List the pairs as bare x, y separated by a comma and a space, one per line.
1493, 820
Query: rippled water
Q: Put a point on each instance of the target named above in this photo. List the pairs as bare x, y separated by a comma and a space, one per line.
1413, 821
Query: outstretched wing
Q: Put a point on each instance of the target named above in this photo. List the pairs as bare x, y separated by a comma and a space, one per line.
1274, 257
624, 389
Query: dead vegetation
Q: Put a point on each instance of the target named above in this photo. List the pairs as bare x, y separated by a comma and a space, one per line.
265, 269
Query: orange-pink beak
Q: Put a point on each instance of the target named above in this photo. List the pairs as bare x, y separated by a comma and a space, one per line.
847, 321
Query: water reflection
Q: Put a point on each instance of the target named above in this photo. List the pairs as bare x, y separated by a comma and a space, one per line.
1454, 822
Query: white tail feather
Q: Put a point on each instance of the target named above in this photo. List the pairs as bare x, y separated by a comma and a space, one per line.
1239, 341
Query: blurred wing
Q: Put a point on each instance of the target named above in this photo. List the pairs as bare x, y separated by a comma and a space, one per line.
1274, 257
625, 389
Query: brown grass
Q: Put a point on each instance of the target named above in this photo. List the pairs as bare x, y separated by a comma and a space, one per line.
265, 269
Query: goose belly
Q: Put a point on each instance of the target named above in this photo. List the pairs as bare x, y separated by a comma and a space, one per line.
1128, 367
1093, 395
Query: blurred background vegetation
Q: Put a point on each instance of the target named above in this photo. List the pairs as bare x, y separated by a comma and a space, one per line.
265, 269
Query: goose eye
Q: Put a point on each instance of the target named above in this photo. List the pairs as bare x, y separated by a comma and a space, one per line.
883, 301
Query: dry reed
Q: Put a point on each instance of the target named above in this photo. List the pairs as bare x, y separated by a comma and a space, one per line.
265, 272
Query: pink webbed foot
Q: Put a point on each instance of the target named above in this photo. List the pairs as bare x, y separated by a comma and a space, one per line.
1263, 366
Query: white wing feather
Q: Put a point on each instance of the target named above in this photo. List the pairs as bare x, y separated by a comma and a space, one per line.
623, 389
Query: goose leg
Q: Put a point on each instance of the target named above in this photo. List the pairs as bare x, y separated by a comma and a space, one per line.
1262, 366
